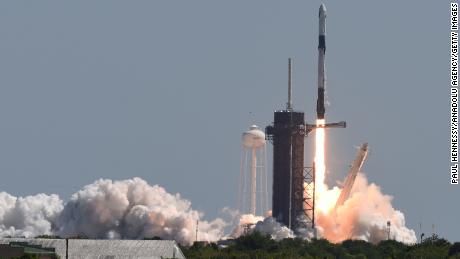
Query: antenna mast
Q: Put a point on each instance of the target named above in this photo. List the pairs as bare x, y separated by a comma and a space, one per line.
289, 103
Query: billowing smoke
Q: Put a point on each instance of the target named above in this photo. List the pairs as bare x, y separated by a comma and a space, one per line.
129, 209
133, 209
366, 215
277, 231
29, 216
249, 223
246, 222
363, 216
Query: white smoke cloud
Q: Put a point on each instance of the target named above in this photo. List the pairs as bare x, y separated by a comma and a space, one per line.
273, 228
364, 216
245, 222
130, 209
29, 216
249, 223
133, 209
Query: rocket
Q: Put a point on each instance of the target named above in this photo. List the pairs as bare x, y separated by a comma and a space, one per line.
320, 109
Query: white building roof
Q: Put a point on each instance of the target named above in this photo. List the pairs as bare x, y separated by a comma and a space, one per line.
108, 249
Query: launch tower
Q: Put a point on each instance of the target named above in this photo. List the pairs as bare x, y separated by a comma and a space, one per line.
293, 200
287, 135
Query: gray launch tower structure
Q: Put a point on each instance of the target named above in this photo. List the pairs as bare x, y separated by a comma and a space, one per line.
293, 183
293, 200
287, 135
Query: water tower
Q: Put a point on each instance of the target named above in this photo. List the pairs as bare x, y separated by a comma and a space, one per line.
253, 191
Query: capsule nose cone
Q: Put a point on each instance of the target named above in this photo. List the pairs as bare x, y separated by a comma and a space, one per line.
322, 10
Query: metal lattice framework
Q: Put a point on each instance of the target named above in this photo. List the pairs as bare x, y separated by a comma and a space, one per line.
309, 196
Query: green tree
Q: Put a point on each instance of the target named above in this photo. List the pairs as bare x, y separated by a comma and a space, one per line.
454, 249
360, 247
432, 247
259, 246
391, 249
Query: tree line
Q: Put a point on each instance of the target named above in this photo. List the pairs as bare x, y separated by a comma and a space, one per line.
259, 246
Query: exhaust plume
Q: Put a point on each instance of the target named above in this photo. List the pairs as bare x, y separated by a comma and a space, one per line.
364, 216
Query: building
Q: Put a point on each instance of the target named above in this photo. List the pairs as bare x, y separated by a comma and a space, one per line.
113, 249
19, 249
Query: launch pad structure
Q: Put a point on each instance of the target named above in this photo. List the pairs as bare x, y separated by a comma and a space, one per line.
293, 183
352, 173
287, 136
